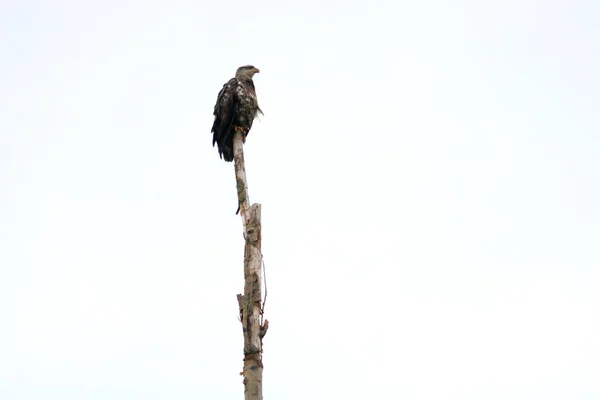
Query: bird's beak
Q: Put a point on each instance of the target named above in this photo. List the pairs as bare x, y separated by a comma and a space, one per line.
256, 70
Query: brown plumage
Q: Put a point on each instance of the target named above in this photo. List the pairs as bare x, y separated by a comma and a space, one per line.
235, 109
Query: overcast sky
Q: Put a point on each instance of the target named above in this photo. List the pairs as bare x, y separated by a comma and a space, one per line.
430, 180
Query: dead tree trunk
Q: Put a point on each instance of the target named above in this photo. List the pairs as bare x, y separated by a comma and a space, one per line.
250, 302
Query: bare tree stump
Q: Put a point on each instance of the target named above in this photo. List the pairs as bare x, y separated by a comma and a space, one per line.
250, 302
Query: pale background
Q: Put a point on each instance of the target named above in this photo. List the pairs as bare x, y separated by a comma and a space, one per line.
429, 178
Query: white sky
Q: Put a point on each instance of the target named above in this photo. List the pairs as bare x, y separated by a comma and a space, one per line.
429, 178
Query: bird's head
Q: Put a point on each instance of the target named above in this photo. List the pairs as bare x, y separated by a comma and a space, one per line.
246, 71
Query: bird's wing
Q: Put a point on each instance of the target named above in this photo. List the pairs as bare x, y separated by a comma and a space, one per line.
224, 111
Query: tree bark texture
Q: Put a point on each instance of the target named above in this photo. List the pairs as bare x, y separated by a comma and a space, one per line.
250, 302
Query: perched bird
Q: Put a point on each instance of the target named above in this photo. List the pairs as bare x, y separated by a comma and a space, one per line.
235, 110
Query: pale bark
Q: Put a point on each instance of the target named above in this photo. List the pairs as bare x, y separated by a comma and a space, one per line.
250, 302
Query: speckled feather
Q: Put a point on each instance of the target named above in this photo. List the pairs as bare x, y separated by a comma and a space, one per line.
236, 107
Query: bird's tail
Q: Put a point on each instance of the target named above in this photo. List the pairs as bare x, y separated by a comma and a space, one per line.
226, 152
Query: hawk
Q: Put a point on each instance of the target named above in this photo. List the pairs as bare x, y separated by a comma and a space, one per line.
235, 110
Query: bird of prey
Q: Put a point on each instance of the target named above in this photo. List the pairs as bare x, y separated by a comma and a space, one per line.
235, 110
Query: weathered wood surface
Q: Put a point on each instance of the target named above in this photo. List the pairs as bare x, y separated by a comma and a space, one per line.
250, 302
